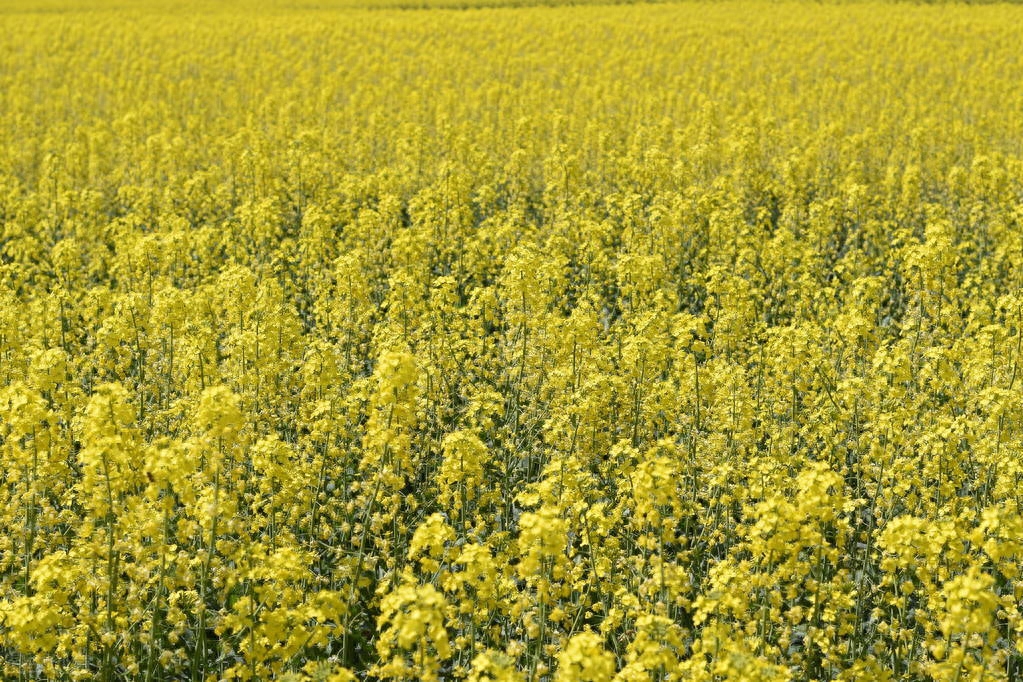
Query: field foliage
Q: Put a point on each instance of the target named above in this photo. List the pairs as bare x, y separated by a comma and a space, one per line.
652, 342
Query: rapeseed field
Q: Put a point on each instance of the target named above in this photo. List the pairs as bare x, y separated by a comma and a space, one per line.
346, 341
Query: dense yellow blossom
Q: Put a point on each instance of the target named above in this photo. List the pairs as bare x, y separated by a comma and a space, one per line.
550, 341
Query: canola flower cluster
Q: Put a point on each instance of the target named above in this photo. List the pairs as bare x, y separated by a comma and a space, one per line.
604, 344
